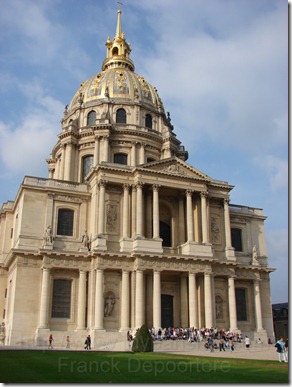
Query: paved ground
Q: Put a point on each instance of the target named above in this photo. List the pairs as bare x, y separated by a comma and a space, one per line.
256, 351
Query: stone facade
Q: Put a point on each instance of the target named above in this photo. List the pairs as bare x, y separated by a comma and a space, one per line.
124, 231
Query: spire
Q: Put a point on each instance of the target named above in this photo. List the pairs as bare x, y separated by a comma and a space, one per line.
119, 25
118, 50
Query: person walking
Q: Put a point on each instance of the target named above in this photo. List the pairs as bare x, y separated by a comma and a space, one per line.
88, 342
51, 342
280, 345
68, 342
221, 345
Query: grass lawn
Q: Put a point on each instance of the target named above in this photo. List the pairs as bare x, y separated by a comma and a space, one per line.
49, 366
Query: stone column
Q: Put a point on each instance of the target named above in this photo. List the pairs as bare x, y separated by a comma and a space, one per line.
68, 162
155, 211
96, 151
44, 304
133, 154
62, 166
94, 207
101, 207
139, 299
181, 216
133, 299
81, 300
142, 153
134, 209
149, 215
106, 148
184, 307
193, 307
190, 222
228, 243
232, 305
99, 301
156, 300
126, 211
258, 306
208, 301
204, 216
125, 301
139, 209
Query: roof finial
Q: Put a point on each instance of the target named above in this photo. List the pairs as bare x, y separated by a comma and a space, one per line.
119, 24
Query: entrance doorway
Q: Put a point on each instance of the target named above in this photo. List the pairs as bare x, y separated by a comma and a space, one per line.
166, 310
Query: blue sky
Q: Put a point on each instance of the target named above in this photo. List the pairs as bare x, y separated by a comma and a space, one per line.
221, 70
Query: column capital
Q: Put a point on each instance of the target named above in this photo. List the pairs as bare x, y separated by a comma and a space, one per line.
226, 201
139, 184
189, 192
204, 194
126, 186
155, 187
102, 183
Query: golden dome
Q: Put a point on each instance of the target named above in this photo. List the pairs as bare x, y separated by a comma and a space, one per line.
117, 82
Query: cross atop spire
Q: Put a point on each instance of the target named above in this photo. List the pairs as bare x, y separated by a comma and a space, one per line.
118, 50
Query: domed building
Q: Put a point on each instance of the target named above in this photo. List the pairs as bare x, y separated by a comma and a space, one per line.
124, 231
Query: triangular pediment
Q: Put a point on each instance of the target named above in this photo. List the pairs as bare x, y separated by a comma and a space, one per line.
177, 167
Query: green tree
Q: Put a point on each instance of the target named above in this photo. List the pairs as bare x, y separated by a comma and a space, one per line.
143, 340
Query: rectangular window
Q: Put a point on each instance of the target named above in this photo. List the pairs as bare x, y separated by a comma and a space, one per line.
236, 239
65, 222
61, 305
240, 295
121, 158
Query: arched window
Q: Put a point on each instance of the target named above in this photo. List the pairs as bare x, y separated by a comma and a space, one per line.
148, 121
65, 222
121, 117
87, 164
91, 118
115, 51
121, 158
165, 234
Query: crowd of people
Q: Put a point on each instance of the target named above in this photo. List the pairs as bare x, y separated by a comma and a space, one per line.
194, 334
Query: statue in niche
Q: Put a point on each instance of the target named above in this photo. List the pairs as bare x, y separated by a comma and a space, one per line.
109, 304
255, 256
85, 240
219, 307
48, 236
112, 215
215, 230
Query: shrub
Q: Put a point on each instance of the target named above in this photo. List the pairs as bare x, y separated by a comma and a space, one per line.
143, 340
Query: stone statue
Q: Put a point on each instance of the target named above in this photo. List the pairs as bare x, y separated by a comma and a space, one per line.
109, 306
85, 239
48, 236
255, 256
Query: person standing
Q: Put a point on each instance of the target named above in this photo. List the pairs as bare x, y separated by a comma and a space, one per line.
247, 342
51, 341
280, 345
286, 348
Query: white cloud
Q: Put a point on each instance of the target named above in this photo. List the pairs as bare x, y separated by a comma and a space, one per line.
276, 169
25, 145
